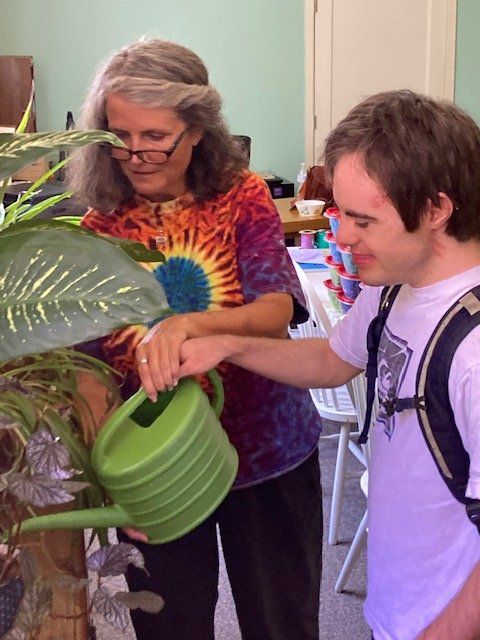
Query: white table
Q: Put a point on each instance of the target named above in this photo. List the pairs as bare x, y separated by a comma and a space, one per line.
317, 277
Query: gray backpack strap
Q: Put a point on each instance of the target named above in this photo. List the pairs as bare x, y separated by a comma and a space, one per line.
434, 410
431, 401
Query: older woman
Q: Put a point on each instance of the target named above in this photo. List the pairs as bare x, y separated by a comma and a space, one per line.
180, 186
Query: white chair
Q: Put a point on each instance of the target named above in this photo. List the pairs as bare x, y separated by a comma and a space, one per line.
332, 404
360, 538
358, 543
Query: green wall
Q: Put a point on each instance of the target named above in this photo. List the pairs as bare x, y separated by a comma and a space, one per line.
254, 50
467, 74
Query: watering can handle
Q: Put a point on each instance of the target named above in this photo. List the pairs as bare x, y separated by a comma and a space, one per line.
218, 395
136, 400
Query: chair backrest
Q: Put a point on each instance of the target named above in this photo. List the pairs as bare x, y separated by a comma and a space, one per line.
319, 325
244, 144
322, 325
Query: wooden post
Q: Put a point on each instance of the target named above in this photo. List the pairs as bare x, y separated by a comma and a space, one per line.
60, 552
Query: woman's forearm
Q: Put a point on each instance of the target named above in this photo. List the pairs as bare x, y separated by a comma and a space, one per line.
267, 316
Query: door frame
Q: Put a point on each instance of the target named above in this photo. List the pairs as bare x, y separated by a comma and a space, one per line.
318, 63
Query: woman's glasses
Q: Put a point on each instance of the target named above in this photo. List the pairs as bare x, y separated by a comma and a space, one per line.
150, 156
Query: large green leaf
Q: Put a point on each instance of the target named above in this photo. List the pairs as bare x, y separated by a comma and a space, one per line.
60, 287
136, 250
17, 150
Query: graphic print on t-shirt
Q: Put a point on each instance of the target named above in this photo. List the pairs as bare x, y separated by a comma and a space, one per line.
393, 359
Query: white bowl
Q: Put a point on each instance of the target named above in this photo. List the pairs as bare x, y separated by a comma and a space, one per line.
309, 207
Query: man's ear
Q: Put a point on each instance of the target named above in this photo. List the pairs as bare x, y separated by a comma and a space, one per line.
438, 216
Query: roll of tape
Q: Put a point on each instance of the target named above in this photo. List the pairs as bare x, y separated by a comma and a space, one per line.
307, 237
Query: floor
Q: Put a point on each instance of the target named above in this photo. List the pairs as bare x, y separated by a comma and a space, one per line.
340, 614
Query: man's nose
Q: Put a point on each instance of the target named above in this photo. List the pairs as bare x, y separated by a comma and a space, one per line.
346, 231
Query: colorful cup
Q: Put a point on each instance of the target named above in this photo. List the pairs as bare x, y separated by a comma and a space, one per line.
307, 237
333, 215
347, 260
333, 292
333, 210
333, 248
333, 270
320, 242
350, 283
344, 302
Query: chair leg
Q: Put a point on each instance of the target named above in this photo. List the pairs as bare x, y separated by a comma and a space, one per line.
356, 547
357, 452
338, 484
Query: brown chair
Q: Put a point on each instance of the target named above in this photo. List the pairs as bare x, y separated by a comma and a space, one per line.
315, 186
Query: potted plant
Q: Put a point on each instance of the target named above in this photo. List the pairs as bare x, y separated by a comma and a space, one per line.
60, 285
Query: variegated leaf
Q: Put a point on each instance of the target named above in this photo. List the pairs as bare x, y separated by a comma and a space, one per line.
29, 568
114, 559
48, 456
16, 634
135, 250
59, 287
18, 150
144, 600
70, 583
114, 613
42, 491
35, 605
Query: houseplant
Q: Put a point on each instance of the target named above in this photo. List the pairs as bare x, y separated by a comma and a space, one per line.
60, 285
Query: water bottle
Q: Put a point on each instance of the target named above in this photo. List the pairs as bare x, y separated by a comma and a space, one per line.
70, 121
302, 176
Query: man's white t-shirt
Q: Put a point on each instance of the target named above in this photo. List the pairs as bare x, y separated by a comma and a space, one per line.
421, 545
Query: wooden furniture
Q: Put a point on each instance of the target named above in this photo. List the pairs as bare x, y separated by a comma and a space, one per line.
60, 552
293, 222
16, 78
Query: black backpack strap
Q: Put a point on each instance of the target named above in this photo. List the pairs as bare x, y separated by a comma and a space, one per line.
397, 405
374, 334
434, 410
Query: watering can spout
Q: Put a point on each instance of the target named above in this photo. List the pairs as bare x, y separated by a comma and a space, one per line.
166, 466
102, 517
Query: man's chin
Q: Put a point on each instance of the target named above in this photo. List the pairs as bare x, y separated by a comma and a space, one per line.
373, 281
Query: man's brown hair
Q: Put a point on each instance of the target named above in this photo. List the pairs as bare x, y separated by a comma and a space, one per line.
415, 147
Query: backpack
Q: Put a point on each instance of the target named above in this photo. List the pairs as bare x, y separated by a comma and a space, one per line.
431, 402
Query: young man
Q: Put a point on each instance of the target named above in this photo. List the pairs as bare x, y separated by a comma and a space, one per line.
405, 171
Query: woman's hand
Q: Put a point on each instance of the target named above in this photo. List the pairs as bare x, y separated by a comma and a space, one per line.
158, 354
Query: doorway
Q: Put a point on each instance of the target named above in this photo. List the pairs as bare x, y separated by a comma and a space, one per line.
354, 48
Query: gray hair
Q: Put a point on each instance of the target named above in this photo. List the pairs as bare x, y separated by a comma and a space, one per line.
155, 73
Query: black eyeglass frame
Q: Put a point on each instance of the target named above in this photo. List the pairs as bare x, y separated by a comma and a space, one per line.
111, 150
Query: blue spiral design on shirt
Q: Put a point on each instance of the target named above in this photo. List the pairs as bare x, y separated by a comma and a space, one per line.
195, 292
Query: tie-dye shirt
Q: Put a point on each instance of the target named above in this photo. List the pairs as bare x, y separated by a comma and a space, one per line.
222, 253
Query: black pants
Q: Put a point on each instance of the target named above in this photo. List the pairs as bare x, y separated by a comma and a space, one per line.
272, 542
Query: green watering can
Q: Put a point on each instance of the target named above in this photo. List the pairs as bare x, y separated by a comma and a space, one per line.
166, 465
